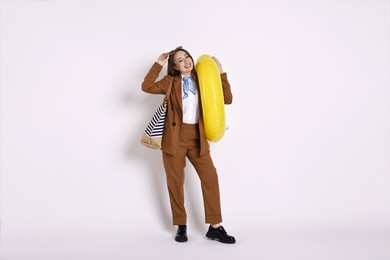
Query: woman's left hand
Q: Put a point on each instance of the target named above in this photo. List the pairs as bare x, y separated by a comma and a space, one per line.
219, 65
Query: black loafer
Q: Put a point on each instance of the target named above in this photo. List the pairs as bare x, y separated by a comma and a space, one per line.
220, 235
181, 235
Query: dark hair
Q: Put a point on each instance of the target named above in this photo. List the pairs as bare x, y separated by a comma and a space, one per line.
171, 64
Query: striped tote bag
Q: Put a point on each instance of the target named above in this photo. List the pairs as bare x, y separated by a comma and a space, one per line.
153, 133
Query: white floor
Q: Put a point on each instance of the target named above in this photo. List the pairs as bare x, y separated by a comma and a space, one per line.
269, 245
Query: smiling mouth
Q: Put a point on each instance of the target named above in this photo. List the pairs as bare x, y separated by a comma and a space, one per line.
187, 66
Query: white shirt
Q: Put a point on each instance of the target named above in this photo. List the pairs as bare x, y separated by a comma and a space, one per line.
190, 106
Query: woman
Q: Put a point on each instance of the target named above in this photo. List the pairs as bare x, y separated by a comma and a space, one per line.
184, 137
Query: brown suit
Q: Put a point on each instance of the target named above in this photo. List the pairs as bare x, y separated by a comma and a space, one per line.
182, 140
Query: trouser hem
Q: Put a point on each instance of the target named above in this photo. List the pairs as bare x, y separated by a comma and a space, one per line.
214, 219
179, 221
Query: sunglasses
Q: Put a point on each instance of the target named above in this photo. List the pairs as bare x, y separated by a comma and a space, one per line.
175, 50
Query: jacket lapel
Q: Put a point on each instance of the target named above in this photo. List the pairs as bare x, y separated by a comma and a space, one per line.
177, 88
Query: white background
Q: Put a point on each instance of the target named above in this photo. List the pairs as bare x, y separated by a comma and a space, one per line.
304, 167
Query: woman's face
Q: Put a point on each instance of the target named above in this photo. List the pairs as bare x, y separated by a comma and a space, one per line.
183, 63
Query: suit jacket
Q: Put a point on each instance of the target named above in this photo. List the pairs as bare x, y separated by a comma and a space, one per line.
174, 116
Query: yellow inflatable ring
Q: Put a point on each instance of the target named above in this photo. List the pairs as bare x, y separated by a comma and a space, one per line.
211, 94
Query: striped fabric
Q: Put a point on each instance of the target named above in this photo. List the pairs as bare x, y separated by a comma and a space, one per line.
155, 127
152, 135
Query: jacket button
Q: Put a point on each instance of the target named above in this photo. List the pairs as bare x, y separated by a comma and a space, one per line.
174, 123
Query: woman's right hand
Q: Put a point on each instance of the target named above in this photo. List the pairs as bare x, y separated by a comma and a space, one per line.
163, 58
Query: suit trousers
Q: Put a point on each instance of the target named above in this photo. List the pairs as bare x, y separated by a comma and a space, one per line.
189, 147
